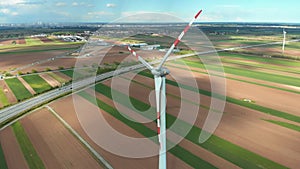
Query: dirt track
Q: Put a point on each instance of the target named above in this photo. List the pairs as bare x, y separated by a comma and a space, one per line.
50, 80
56, 146
27, 86
11, 149
67, 78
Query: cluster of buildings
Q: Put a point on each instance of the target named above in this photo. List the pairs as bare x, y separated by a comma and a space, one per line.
71, 38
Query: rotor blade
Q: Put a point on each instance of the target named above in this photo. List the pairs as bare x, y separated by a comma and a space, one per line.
158, 83
178, 40
140, 58
163, 140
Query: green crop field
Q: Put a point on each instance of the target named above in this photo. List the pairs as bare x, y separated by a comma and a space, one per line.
68, 73
80, 74
3, 99
3, 164
247, 73
260, 65
18, 89
38, 84
284, 124
275, 61
236, 79
39, 49
31, 156
57, 77
33, 41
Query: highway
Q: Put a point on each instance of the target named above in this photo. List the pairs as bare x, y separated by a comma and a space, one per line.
19, 108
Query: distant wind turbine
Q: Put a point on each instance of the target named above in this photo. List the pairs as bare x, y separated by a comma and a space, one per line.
284, 41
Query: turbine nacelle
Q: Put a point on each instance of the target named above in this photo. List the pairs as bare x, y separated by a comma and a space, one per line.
160, 72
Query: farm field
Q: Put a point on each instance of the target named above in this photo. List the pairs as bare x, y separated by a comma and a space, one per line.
260, 126
27, 56
242, 138
7, 95
56, 147
27, 86
38, 84
26, 146
18, 89
231, 110
13, 153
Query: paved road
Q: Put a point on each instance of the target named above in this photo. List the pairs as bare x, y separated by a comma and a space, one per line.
21, 107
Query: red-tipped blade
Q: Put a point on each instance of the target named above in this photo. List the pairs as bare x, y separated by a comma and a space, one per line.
177, 41
196, 16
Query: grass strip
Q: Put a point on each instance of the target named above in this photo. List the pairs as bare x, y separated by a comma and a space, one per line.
33, 41
31, 156
260, 65
38, 84
3, 164
231, 152
178, 151
57, 77
276, 61
249, 73
68, 72
37, 50
240, 80
253, 106
18, 89
3, 98
284, 124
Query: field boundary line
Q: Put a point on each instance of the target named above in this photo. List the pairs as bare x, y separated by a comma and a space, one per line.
90, 148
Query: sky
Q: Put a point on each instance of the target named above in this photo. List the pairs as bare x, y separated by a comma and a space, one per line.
62, 11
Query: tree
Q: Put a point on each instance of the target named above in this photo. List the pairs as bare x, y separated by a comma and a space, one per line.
20, 73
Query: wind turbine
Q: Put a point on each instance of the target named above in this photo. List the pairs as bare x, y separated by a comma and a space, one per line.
284, 41
160, 73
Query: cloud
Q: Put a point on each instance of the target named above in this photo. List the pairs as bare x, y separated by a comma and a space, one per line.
229, 6
14, 13
60, 4
11, 2
5, 11
8, 12
144, 16
61, 13
75, 4
211, 17
100, 13
32, 2
110, 5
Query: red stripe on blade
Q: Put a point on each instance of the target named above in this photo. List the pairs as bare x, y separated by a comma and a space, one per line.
196, 16
186, 29
176, 42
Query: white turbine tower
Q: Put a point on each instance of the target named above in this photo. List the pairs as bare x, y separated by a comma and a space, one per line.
284, 41
160, 73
